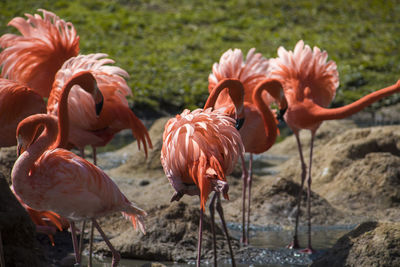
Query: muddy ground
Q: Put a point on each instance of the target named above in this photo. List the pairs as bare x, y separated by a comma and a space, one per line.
356, 179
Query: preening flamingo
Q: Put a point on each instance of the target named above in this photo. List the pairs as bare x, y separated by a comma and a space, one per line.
34, 57
309, 82
85, 127
256, 138
200, 148
58, 180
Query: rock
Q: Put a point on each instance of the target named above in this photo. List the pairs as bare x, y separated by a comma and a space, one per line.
370, 244
274, 202
8, 155
17, 231
354, 167
171, 235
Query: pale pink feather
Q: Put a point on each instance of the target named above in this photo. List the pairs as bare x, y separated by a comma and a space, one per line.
192, 135
303, 68
35, 57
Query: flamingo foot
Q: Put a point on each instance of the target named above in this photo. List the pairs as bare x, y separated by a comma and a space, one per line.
294, 244
244, 241
308, 250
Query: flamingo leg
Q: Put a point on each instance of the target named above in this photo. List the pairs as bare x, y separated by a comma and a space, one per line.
75, 244
91, 246
81, 237
249, 183
221, 215
212, 215
200, 238
309, 248
94, 155
2, 260
115, 255
244, 178
295, 242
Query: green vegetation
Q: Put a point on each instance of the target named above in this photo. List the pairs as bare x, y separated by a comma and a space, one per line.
168, 47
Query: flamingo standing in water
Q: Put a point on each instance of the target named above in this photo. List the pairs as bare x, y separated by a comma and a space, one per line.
55, 179
200, 148
309, 84
257, 136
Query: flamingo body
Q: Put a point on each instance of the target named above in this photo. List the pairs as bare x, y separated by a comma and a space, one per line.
86, 128
35, 56
17, 102
200, 148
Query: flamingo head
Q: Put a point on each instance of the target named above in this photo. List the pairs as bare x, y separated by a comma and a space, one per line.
87, 81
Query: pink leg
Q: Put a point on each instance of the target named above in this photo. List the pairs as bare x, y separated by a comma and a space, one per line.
244, 178
75, 243
91, 227
295, 241
82, 152
309, 248
221, 215
2, 260
200, 238
115, 255
249, 183
212, 215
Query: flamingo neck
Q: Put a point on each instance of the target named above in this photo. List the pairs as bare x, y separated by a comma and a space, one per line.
236, 93
63, 116
270, 123
21, 171
322, 114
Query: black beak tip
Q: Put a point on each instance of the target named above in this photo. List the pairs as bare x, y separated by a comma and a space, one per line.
281, 113
99, 107
239, 123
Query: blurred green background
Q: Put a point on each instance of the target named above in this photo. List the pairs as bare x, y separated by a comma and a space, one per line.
168, 47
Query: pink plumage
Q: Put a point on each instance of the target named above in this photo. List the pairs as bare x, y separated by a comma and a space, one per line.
59, 181
311, 68
85, 127
35, 57
200, 147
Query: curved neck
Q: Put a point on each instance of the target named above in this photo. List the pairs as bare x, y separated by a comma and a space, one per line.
236, 93
27, 159
63, 117
270, 123
348, 110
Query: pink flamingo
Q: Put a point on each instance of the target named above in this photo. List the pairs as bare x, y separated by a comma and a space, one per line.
309, 84
199, 149
255, 136
35, 57
60, 181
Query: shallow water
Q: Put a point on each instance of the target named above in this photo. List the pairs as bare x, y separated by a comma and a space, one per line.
267, 247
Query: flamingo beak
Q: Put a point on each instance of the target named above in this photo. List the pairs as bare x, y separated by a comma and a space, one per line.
281, 113
239, 123
99, 101
19, 150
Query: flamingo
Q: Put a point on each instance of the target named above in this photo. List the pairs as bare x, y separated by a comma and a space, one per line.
18, 101
34, 57
56, 179
309, 82
85, 127
256, 138
199, 150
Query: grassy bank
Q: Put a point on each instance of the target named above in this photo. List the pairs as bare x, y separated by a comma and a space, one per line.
168, 47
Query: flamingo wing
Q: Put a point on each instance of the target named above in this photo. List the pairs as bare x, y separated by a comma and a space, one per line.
305, 68
76, 189
35, 56
199, 146
116, 114
17, 102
